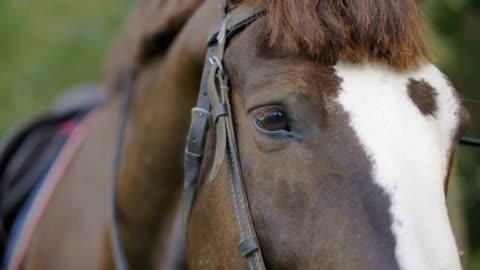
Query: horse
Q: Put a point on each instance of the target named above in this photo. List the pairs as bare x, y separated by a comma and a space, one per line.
331, 147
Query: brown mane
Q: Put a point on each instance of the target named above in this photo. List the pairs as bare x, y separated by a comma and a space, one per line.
150, 28
386, 31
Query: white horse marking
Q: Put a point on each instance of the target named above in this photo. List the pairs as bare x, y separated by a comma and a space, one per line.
409, 152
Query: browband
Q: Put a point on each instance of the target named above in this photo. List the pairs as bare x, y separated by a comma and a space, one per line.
237, 20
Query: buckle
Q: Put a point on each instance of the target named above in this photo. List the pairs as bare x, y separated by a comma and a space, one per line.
201, 118
220, 68
200, 112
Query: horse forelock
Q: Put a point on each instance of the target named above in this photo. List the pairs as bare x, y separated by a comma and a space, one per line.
386, 31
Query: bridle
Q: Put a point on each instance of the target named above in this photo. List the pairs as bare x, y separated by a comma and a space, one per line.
213, 108
470, 142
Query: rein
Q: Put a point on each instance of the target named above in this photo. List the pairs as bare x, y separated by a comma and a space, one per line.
119, 258
213, 109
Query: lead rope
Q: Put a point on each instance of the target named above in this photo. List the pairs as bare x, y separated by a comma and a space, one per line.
119, 258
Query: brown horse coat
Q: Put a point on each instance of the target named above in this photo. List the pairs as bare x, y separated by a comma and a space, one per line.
163, 44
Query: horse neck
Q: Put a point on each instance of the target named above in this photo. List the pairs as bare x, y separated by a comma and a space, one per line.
151, 176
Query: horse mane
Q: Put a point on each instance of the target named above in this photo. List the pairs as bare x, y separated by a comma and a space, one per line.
151, 27
386, 31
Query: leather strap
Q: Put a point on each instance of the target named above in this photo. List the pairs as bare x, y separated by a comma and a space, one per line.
118, 252
219, 111
470, 142
201, 118
238, 19
248, 245
219, 99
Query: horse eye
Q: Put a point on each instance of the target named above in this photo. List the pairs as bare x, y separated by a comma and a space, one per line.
271, 119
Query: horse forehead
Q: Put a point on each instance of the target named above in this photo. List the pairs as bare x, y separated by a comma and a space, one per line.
409, 148
424, 93
411, 115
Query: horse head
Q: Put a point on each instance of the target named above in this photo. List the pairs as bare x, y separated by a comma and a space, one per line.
346, 135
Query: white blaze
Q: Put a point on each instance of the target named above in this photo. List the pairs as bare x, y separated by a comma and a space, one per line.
409, 152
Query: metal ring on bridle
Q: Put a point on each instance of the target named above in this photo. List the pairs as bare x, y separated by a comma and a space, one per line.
220, 68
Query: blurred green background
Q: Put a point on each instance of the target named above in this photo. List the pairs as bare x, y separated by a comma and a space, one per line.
455, 44
47, 46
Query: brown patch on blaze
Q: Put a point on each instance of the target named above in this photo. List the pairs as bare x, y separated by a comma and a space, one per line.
424, 96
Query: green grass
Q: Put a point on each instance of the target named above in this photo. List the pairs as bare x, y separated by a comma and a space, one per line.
49, 45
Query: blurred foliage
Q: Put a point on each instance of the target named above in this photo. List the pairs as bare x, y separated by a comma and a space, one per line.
455, 43
47, 46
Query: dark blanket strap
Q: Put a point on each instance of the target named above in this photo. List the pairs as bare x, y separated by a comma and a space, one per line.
25, 156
